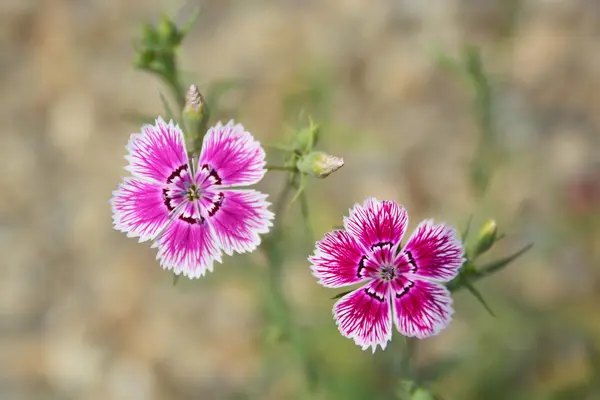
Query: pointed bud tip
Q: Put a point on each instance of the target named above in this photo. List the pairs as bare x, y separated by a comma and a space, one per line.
489, 226
487, 236
194, 117
193, 100
320, 164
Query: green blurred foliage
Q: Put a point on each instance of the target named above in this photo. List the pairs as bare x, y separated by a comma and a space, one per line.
500, 123
501, 356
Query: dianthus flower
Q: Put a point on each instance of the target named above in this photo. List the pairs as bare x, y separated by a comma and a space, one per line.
187, 206
401, 284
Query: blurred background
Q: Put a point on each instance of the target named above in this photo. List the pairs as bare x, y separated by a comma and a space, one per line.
86, 313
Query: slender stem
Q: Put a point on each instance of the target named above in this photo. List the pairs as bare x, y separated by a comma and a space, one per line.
280, 168
177, 91
398, 365
277, 304
306, 216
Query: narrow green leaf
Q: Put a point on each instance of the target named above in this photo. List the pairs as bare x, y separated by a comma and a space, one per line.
138, 118
300, 189
175, 279
465, 233
187, 26
445, 62
473, 62
339, 295
167, 107
474, 275
475, 292
500, 264
500, 237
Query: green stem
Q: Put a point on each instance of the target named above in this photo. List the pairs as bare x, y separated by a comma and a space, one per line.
172, 81
486, 156
169, 74
397, 366
277, 305
280, 168
306, 216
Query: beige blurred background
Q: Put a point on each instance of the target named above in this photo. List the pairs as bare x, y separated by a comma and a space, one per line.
86, 313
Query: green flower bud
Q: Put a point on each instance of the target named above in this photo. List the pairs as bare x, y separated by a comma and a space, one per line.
307, 138
195, 116
319, 164
168, 33
150, 37
194, 102
144, 58
486, 237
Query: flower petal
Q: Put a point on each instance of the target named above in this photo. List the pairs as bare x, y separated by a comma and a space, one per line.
232, 156
338, 260
433, 252
188, 245
376, 223
365, 315
157, 152
238, 218
421, 308
139, 209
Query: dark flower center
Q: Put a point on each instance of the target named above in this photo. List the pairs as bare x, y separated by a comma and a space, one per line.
193, 193
387, 272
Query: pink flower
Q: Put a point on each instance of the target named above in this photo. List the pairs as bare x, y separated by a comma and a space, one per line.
400, 284
189, 207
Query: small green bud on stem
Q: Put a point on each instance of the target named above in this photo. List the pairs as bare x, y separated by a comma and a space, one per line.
486, 238
319, 164
195, 116
307, 138
168, 33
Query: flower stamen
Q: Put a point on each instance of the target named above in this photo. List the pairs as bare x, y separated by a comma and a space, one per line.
387, 272
192, 193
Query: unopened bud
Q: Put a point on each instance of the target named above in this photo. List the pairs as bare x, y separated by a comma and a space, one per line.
307, 138
319, 164
144, 58
486, 237
150, 37
168, 32
194, 102
195, 115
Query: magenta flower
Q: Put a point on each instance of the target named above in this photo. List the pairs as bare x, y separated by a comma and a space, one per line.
400, 284
188, 207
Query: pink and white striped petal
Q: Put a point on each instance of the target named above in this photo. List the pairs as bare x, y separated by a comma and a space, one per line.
157, 152
365, 315
188, 246
139, 209
433, 252
238, 218
232, 155
377, 223
338, 260
421, 309
381, 255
